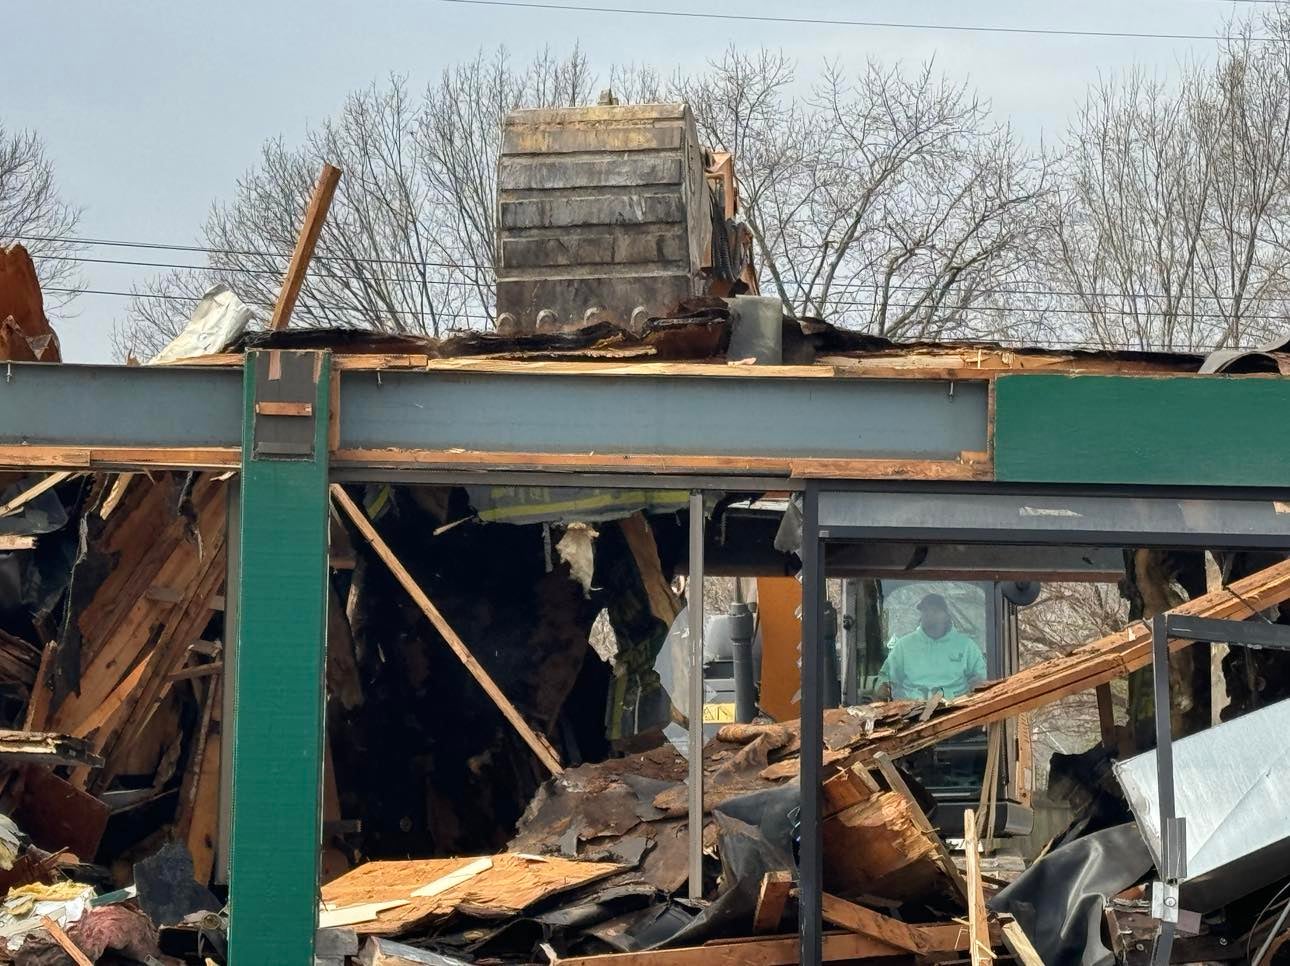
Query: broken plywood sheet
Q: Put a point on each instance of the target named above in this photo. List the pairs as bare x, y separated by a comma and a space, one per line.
509, 884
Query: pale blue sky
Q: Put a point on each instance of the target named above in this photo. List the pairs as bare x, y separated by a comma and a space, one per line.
150, 110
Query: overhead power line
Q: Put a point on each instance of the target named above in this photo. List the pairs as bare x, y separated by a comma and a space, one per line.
244, 252
843, 288
169, 297
832, 22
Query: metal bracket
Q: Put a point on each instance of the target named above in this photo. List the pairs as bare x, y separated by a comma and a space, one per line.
285, 387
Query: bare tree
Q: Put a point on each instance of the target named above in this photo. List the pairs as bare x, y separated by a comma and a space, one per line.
888, 200
1170, 227
409, 241
1066, 616
34, 213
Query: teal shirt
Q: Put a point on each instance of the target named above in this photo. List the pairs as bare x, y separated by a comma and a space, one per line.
917, 665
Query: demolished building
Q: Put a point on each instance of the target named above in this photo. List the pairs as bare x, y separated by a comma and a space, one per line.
348, 646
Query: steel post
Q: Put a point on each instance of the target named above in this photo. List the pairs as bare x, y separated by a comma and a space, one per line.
811, 861
277, 679
694, 604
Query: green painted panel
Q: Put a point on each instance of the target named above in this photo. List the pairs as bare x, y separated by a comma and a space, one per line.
1177, 431
278, 683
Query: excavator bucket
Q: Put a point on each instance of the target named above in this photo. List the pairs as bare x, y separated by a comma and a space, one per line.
609, 214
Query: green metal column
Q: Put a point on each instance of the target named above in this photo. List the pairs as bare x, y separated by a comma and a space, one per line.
278, 678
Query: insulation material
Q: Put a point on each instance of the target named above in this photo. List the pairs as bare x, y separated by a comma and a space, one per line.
218, 321
511, 883
567, 504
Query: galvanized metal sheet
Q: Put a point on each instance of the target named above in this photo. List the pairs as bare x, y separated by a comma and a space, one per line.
1231, 784
682, 415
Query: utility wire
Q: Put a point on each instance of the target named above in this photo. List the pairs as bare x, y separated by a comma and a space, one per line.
162, 246
830, 22
847, 288
164, 297
449, 316
234, 269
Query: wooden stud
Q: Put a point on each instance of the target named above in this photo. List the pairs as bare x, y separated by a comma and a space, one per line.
15, 541
545, 753
771, 899
1018, 943
315, 215
768, 951
875, 925
981, 951
42, 695
897, 784
29, 494
65, 941
203, 825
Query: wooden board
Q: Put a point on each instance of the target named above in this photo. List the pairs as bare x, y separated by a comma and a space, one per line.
315, 216
790, 467
513, 883
58, 815
539, 745
771, 899
771, 951
980, 950
43, 748
866, 922
1018, 943
897, 784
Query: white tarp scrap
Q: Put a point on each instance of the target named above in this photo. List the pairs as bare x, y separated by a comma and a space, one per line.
218, 321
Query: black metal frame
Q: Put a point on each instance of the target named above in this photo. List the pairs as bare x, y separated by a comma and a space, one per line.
815, 539
1258, 632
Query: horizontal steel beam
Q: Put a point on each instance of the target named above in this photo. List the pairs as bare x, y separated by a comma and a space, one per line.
681, 415
75, 416
128, 407
1046, 518
1247, 633
906, 561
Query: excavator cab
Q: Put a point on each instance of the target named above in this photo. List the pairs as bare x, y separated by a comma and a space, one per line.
954, 772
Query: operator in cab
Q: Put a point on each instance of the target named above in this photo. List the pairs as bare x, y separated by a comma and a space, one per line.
935, 656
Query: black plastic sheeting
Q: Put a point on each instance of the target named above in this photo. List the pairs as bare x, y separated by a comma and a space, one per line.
1059, 900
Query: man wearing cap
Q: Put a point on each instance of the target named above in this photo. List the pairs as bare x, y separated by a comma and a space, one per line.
935, 656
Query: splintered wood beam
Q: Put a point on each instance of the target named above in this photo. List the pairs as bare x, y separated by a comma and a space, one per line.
540, 746
875, 925
1018, 943
315, 215
42, 748
981, 950
65, 942
896, 782
768, 951
771, 899
10, 541
29, 494
42, 695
